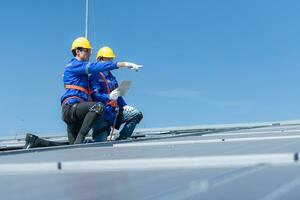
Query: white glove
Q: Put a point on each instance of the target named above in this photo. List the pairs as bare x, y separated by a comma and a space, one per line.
133, 66
128, 108
112, 138
114, 95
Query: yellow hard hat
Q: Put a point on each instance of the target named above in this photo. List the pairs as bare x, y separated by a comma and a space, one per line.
81, 42
106, 52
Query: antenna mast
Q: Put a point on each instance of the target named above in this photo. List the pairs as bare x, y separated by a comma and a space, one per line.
86, 17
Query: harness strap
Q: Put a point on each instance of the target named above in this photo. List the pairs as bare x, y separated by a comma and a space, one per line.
72, 97
111, 103
106, 83
76, 87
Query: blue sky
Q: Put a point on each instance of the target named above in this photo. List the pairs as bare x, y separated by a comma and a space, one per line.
206, 62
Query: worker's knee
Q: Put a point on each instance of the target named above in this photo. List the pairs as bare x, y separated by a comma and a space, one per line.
138, 117
97, 108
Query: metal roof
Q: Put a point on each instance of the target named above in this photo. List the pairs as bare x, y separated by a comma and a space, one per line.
238, 161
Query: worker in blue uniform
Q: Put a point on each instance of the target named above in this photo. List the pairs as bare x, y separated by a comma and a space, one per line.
79, 112
104, 89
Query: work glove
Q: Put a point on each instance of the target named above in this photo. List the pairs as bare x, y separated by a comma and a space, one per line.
133, 66
128, 108
112, 138
114, 95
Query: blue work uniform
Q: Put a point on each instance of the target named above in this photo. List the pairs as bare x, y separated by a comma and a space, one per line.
76, 79
101, 84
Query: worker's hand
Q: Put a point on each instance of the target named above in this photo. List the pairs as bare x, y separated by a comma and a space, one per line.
133, 66
114, 95
128, 108
110, 138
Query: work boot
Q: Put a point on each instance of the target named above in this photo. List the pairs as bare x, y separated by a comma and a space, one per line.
31, 141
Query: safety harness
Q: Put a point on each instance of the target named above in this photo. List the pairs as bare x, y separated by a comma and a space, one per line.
76, 87
111, 103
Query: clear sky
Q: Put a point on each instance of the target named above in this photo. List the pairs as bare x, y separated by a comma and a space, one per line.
205, 61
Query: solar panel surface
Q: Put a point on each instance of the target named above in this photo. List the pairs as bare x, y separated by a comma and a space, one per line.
257, 161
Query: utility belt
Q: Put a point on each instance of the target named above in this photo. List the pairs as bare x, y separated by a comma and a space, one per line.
79, 88
65, 102
112, 104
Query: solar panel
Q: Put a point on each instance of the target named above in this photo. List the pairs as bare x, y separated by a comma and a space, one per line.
249, 161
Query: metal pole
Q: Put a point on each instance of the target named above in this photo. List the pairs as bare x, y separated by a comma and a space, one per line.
86, 17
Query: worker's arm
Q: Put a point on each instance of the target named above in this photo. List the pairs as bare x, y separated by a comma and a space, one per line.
104, 98
121, 102
96, 87
108, 65
94, 68
129, 65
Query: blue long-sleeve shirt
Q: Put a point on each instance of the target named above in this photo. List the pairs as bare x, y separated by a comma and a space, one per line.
76, 73
100, 92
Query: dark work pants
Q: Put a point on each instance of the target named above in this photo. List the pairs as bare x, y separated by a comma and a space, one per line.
80, 118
